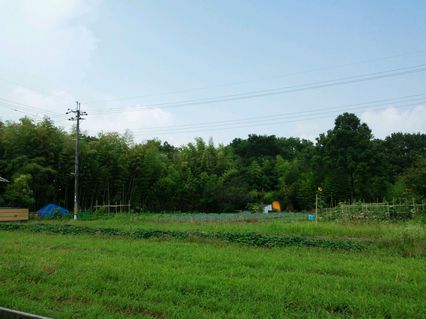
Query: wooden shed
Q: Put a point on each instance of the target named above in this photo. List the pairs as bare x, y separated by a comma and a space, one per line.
9, 214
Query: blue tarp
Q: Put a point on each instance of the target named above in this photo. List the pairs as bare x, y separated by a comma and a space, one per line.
51, 209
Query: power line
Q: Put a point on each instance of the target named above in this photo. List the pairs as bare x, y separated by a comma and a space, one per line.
257, 80
26, 107
272, 123
21, 107
288, 119
296, 88
284, 90
19, 110
277, 115
58, 115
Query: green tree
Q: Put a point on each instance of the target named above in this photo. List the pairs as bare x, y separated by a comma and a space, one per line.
19, 193
414, 178
38, 158
401, 151
347, 152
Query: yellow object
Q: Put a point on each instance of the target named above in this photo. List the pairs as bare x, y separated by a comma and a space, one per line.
320, 189
276, 206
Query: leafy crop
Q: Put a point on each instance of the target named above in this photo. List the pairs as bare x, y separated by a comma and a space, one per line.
251, 239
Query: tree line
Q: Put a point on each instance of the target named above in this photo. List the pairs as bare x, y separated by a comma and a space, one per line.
347, 162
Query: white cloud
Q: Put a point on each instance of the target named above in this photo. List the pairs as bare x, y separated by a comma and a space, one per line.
130, 118
390, 120
51, 13
49, 45
53, 102
54, 105
48, 40
309, 129
26, 102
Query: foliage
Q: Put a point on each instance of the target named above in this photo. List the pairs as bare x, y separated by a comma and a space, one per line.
38, 159
346, 155
415, 178
255, 207
18, 192
402, 150
251, 239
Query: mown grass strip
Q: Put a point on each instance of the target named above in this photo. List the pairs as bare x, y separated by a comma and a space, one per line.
251, 239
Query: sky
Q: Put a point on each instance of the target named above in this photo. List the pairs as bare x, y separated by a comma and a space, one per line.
176, 70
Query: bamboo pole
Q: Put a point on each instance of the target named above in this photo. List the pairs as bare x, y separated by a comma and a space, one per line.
316, 208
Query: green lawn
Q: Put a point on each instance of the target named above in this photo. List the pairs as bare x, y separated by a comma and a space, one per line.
96, 276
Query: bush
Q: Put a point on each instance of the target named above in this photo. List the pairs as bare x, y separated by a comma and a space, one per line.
255, 207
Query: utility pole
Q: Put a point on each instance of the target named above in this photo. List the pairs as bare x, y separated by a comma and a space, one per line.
78, 115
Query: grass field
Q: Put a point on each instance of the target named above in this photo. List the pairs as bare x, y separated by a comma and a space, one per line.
101, 276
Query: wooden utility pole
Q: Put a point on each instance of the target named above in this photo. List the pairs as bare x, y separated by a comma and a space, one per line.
77, 117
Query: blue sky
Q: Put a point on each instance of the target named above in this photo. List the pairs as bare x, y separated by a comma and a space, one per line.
118, 56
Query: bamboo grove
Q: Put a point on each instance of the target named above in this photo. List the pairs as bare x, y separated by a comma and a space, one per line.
346, 161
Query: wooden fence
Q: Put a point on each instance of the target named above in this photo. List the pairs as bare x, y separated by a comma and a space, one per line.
374, 211
8, 214
117, 208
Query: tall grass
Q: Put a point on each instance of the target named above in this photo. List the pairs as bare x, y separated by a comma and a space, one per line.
90, 277
400, 236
